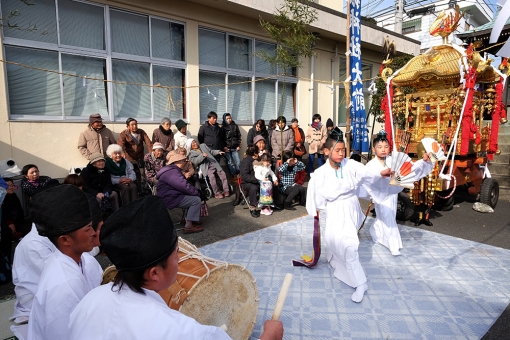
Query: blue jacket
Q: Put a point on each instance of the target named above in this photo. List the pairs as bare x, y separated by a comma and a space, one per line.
173, 186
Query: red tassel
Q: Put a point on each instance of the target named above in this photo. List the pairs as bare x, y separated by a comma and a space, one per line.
496, 116
467, 118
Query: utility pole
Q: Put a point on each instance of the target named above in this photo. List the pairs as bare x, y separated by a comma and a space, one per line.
399, 16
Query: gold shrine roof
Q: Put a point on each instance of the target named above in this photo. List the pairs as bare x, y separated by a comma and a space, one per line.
440, 62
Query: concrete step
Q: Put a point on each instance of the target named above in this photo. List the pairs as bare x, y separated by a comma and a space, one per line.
503, 181
505, 148
500, 169
503, 138
504, 129
501, 159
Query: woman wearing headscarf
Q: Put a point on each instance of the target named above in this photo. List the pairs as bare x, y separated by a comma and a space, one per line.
164, 135
122, 174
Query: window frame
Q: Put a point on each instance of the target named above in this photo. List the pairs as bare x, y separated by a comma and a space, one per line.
108, 55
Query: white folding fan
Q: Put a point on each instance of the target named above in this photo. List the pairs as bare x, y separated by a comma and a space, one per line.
434, 149
402, 168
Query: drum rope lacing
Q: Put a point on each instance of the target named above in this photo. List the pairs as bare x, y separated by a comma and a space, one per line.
191, 252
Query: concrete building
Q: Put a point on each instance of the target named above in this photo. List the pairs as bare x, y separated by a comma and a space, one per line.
123, 46
418, 19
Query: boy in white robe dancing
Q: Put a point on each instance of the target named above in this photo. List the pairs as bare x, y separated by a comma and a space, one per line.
147, 262
63, 215
385, 230
334, 188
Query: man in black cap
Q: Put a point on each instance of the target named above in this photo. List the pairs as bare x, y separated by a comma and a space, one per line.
95, 138
141, 242
62, 214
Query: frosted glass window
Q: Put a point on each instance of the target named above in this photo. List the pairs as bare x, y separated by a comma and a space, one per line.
212, 98
168, 104
82, 97
262, 66
167, 40
265, 100
37, 21
33, 92
130, 33
240, 53
287, 92
211, 48
81, 24
239, 98
131, 100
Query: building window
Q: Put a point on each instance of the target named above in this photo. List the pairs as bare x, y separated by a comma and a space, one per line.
411, 26
140, 49
228, 70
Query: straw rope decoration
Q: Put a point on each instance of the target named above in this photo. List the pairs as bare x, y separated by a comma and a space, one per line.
170, 101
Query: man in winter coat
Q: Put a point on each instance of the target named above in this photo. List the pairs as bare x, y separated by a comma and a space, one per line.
210, 133
95, 138
231, 138
282, 138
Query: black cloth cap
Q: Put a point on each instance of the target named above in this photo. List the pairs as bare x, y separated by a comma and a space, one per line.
139, 235
95, 211
60, 210
329, 123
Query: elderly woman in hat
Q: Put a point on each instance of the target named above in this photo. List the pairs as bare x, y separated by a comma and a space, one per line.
122, 174
164, 135
154, 161
182, 134
97, 180
177, 192
145, 266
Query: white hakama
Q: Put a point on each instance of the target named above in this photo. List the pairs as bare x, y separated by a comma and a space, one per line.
335, 191
63, 284
385, 196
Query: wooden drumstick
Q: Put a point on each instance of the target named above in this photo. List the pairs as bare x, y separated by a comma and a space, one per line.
281, 297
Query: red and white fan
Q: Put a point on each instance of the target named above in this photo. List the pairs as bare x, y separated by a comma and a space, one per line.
402, 168
434, 149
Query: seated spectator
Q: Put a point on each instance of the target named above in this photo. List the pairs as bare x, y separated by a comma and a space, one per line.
97, 180
154, 161
164, 135
182, 134
249, 182
32, 180
129, 307
266, 178
282, 138
288, 185
13, 219
203, 159
260, 142
29, 258
258, 129
63, 215
122, 174
188, 170
75, 180
178, 193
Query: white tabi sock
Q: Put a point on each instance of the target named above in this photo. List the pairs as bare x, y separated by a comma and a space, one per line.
395, 253
357, 296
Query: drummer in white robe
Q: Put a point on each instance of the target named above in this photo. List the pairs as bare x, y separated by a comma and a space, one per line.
334, 188
63, 215
385, 229
141, 242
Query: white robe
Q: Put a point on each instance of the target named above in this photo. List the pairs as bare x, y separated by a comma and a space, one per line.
327, 190
385, 230
29, 259
111, 315
63, 284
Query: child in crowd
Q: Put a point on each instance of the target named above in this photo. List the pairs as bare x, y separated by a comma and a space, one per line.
288, 171
385, 230
315, 137
203, 159
334, 188
265, 175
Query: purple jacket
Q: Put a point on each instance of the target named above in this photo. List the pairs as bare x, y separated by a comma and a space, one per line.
172, 186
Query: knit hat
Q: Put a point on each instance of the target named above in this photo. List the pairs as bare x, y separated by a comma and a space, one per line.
95, 211
95, 156
139, 235
329, 123
157, 145
180, 124
96, 117
60, 210
174, 157
258, 138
